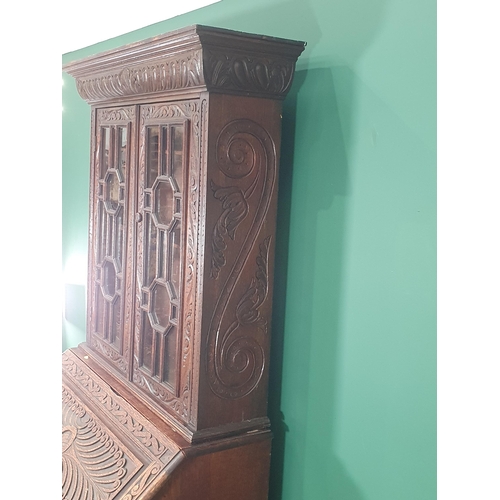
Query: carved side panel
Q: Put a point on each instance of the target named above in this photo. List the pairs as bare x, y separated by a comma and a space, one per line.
246, 157
112, 178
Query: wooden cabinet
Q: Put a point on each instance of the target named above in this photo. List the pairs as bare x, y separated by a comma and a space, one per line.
169, 392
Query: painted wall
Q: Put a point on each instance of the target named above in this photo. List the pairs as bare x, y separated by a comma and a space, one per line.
353, 382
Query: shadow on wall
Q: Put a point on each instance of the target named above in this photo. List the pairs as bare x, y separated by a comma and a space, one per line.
316, 144
319, 182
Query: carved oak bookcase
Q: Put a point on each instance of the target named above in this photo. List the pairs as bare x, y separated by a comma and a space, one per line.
167, 398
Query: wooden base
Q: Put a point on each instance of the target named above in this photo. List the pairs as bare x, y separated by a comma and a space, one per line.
112, 451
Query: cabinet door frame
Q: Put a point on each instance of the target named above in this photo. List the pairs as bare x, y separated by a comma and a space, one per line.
174, 396
112, 205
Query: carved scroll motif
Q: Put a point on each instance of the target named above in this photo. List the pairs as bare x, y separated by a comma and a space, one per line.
247, 157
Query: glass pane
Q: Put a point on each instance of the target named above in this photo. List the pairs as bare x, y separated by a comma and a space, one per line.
170, 356
112, 190
100, 231
152, 146
164, 199
160, 305
116, 325
121, 164
157, 351
165, 150
105, 150
108, 279
99, 312
162, 251
175, 257
119, 238
109, 235
177, 152
147, 342
150, 236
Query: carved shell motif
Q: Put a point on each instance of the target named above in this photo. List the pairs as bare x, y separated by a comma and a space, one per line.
93, 465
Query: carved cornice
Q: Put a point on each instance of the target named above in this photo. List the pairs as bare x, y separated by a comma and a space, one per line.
199, 58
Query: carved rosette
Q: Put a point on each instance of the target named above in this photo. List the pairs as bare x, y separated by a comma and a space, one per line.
246, 155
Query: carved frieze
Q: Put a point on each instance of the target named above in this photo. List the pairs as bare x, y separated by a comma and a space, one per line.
166, 75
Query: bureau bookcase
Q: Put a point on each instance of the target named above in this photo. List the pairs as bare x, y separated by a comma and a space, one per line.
167, 397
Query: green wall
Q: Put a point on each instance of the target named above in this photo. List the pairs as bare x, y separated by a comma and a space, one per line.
353, 382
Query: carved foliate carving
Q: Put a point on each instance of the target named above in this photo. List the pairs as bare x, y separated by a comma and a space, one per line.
165, 75
246, 155
250, 74
117, 115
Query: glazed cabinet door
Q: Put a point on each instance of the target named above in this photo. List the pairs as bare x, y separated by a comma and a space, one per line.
109, 325
165, 149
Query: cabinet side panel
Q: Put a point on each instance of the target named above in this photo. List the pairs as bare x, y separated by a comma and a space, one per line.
241, 195
238, 473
